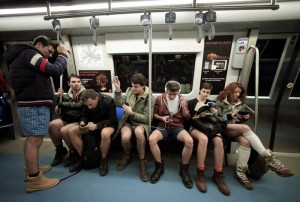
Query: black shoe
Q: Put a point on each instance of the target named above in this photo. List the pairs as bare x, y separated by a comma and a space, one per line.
76, 167
159, 170
71, 159
184, 173
103, 168
59, 156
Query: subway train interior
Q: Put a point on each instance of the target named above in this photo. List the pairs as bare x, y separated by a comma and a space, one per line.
190, 41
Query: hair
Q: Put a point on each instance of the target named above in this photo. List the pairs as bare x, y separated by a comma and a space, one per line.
138, 78
173, 86
206, 85
229, 89
46, 41
89, 93
73, 76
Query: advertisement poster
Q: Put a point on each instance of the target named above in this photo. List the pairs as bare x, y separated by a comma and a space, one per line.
215, 62
99, 80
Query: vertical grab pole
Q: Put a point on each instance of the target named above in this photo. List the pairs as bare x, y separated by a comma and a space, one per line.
256, 86
150, 70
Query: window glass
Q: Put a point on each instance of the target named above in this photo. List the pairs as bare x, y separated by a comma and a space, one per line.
165, 67
296, 88
270, 51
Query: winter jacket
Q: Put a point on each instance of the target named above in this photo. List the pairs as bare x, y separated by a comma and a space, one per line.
225, 108
30, 74
71, 108
104, 115
140, 107
161, 109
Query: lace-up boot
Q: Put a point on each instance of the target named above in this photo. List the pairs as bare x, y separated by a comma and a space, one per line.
218, 178
276, 166
184, 173
144, 174
240, 175
159, 171
200, 181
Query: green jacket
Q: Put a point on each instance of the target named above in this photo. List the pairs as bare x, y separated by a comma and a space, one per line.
139, 106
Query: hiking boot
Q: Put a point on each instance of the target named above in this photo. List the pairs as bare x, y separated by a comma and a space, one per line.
278, 167
44, 169
124, 162
72, 158
76, 167
144, 174
40, 182
184, 173
200, 181
240, 175
159, 170
59, 156
218, 178
103, 168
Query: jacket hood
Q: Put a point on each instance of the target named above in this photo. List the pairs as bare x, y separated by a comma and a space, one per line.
82, 88
12, 52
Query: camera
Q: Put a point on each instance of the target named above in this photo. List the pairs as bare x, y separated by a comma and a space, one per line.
211, 104
83, 123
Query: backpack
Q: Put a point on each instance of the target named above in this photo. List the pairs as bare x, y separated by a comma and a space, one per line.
257, 165
91, 150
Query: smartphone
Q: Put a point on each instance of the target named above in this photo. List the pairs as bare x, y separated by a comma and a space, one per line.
243, 112
126, 104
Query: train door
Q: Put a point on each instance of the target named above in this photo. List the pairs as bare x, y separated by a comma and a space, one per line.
279, 93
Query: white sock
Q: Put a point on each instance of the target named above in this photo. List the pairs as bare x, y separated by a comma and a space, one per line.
243, 156
256, 143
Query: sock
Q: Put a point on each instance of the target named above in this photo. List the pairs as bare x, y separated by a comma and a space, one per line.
34, 175
201, 166
256, 143
218, 167
243, 156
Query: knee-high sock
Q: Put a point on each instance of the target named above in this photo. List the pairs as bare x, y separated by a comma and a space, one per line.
243, 156
256, 143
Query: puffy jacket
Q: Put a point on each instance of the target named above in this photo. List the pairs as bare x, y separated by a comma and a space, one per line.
140, 106
30, 74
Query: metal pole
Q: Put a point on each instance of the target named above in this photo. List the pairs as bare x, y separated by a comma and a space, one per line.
150, 70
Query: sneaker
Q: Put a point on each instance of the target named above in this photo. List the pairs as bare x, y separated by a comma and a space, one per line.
40, 182
103, 168
59, 156
240, 175
44, 170
144, 174
278, 167
200, 181
218, 178
124, 162
71, 159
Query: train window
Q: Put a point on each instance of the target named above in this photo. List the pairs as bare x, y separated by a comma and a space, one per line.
270, 53
165, 67
296, 88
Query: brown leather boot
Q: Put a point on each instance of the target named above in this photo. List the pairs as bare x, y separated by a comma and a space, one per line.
40, 182
44, 169
144, 174
124, 162
218, 178
200, 181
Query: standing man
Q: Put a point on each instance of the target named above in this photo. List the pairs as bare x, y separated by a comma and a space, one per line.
98, 117
69, 110
171, 110
30, 74
135, 120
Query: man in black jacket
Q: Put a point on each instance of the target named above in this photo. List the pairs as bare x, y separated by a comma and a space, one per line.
30, 74
69, 109
98, 117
